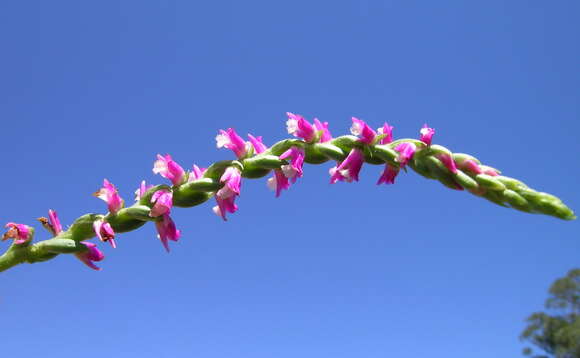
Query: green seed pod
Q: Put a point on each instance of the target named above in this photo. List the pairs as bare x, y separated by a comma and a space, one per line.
314, 154
465, 180
386, 154
123, 221
421, 169
345, 142
489, 182
511, 183
263, 161
82, 228
516, 201
330, 151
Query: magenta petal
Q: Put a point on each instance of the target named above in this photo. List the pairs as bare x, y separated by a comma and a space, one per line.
54, 222
169, 169
406, 151
231, 140
19, 232
349, 169
167, 230
326, 136
299, 127
92, 254
360, 128
162, 203
427, 134
387, 130
257, 143
471, 166
449, 163
278, 182
388, 176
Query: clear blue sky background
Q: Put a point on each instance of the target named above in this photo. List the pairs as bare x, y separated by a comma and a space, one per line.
93, 90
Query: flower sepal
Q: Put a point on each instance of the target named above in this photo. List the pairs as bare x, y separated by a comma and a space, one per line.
346, 142
283, 145
386, 153
489, 182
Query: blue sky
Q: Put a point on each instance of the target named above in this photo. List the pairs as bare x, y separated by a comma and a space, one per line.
95, 90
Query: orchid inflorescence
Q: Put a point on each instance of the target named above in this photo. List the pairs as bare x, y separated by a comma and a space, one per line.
222, 180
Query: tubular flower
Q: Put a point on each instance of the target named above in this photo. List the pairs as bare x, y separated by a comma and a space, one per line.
389, 174
225, 197
143, 187
169, 169
406, 151
257, 143
110, 195
293, 170
300, 127
426, 134
19, 232
54, 223
196, 173
166, 230
449, 163
162, 201
231, 140
278, 182
360, 128
349, 169
104, 232
92, 254
387, 131
322, 128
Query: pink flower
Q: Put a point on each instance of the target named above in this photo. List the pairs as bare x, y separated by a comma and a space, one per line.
142, 190
387, 130
490, 171
104, 232
169, 169
196, 173
360, 128
54, 223
166, 230
293, 170
325, 135
257, 143
110, 195
471, 165
231, 140
427, 134
406, 151
349, 169
225, 197
278, 182
162, 201
299, 127
19, 232
449, 163
92, 254
389, 174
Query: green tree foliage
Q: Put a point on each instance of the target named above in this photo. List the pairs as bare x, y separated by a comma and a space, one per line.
557, 333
